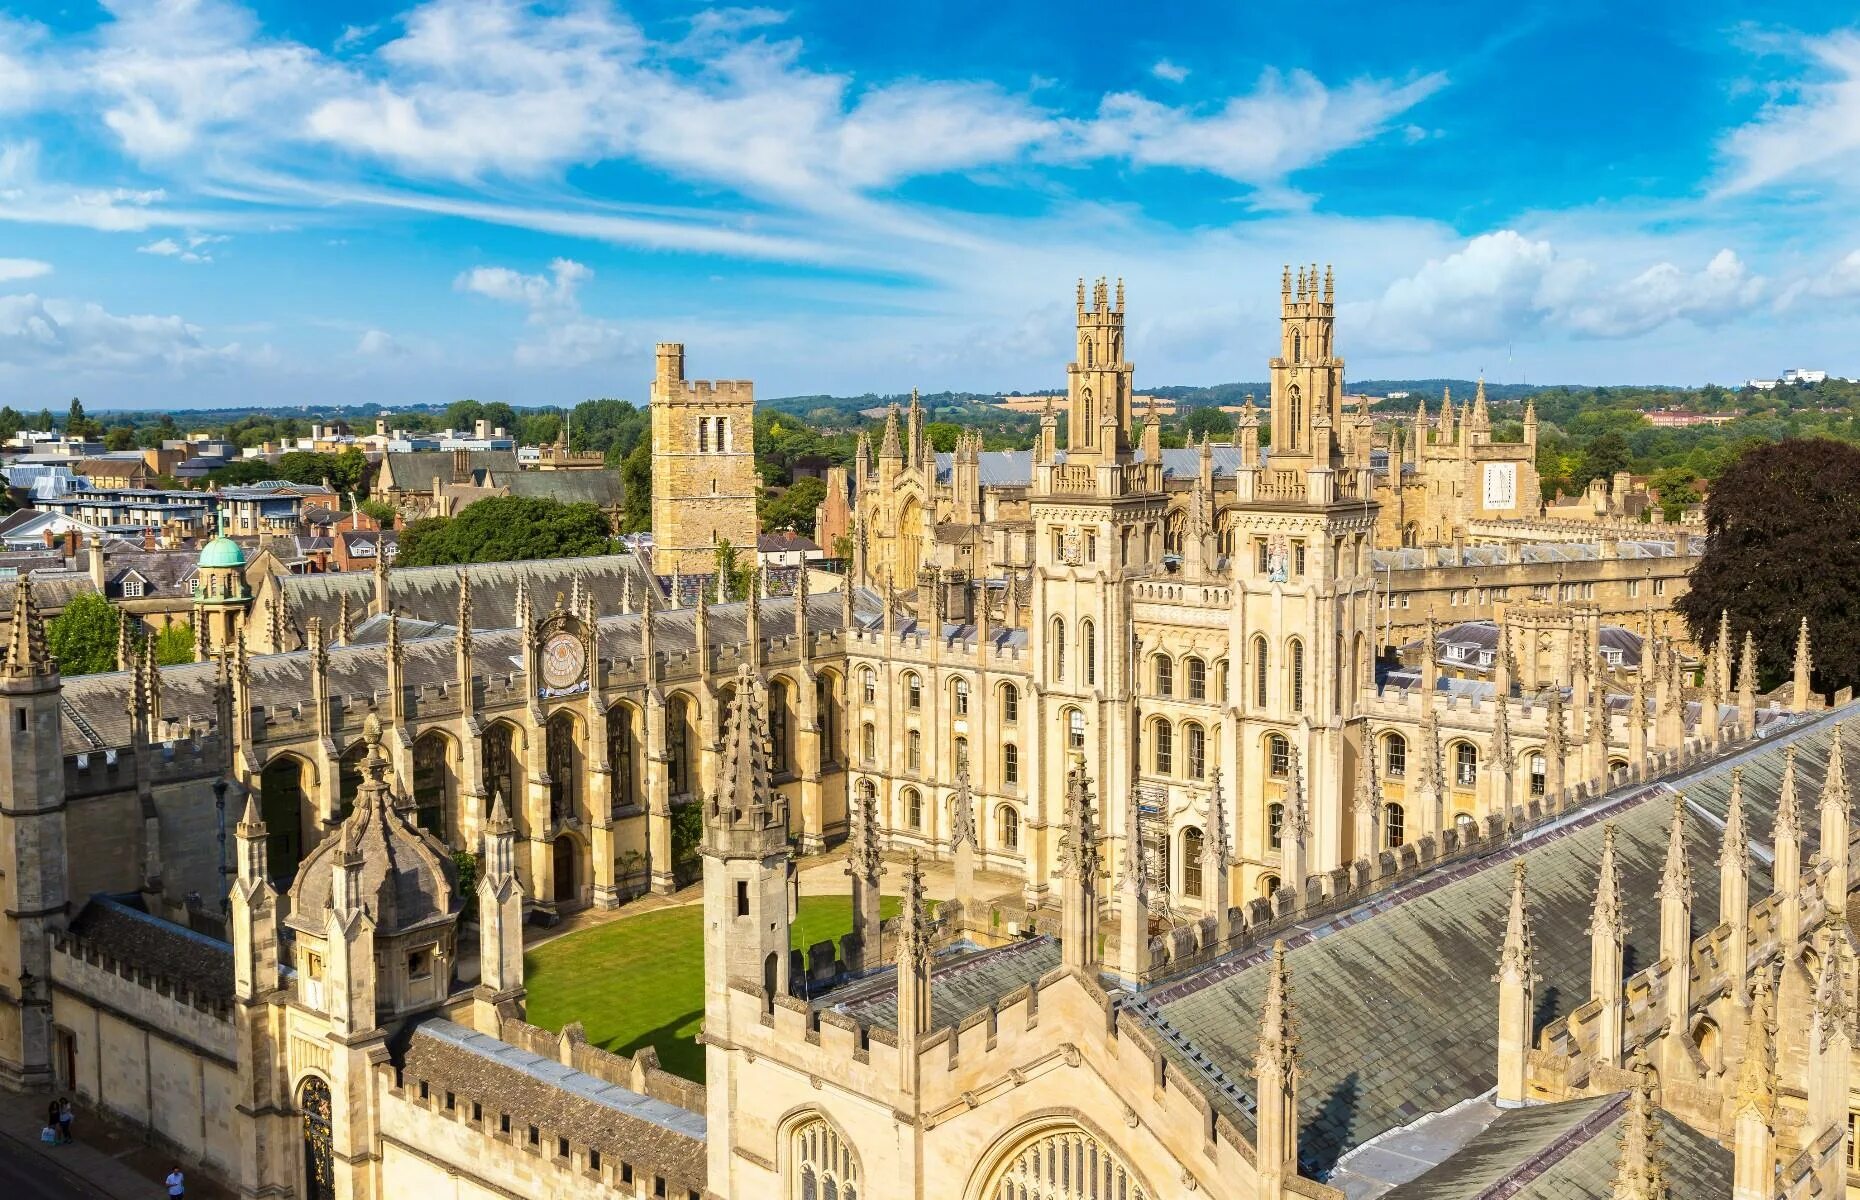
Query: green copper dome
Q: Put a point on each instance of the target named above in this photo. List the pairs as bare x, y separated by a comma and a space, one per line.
222, 551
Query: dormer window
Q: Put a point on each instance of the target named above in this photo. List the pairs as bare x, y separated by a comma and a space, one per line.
1611, 656
1485, 658
420, 963
1456, 653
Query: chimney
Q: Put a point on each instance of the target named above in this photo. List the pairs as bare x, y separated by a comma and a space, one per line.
96, 562
461, 466
71, 543
50, 540
148, 537
481, 428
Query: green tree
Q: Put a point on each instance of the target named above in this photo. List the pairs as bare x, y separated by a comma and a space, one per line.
1784, 525
738, 578
78, 425
1208, 420
175, 645
244, 470
636, 488
461, 413
794, 509
942, 435
83, 637
44, 423
380, 510
1604, 456
1677, 488
120, 437
10, 422
538, 428
507, 529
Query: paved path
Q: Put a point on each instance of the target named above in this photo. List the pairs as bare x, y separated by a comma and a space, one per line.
106, 1161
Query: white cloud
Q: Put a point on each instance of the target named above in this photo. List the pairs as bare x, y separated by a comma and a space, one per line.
1810, 131
187, 249
376, 343
70, 335
561, 335
1287, 123
12, 269
1172, 72
1503, 285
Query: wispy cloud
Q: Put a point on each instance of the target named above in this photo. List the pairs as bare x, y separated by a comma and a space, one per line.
14, 269
1810, 130
1166, 70
561, 335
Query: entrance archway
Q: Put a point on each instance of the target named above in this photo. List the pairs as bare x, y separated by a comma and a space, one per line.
319, 1154
567, 885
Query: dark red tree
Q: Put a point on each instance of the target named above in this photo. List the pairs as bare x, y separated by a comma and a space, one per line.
1784, 526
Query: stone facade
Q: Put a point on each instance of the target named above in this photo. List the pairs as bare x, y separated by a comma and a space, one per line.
704, 481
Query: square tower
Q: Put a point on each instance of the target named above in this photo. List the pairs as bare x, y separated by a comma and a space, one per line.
704, 480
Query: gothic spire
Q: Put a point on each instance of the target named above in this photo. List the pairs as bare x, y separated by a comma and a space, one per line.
892, 446
1638, 1173
1608, 918
1756, 1076
744, 799
1804, 664
1676, 875
1278, 1032
26, 652
1735, 852
1517, 957
962, 812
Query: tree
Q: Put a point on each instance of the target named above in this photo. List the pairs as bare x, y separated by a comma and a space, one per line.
942, 435
244, 470
507, 529
83, 637
737, 578
380, 510
44, 423
78, 425
120, 437
636, 488
175, 644
1209, 420
1676, 488
10, 422
794, 509
1605, 455
461, 413
1784, 525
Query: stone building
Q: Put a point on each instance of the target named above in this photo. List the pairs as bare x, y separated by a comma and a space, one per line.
1270, 841
704, 480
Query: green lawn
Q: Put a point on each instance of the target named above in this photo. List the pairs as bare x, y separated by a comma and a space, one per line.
639, 981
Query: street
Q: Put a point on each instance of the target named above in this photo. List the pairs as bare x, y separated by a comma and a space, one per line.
27, 1175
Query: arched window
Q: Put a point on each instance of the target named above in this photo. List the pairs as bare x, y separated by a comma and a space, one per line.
319, 1160
1088, 650
1465, 764
1395, 822
962, 756
913, 690
1537, 774
1007, 825
1220, 680
1075, 729
1278, 756
1296, 407
1010, 704
1197, 679
1010, 764
868, 743
1464, 824
827, 715
913, 751
959, 697
1163, 667
822, 1166
500, 766
1268, 884
1191, 863
868, 685
1056, 646
623, 773
1197, 740
1395, 756
1275, 825
1162, 736
1298, 346
1296, 653
1261, 668
913, 808
780, 761
432, 775
679, 739
1066, 1163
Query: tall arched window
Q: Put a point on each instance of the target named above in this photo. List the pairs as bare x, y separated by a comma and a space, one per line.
868, 743
1162, 668
1197, 740
1010, 704
1191, 863
1537, 774
959, 697
679, 739
913, 751
822, 1166
913, 808
1278, 756
1296, 653
1007, 826
1075, 729
623, 777
1295, 405
1395, 756
1088, 650
827, 715
1395, 822
1197, 672
1010, 764
1162, 737
962, 756
1298, 346
913, 690
1465, 764
1056, 647
868, 685
319, 1160
1261, 669
1275, 825
780, 761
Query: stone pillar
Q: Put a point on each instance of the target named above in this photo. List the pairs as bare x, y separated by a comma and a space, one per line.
1517, 998
1607, 932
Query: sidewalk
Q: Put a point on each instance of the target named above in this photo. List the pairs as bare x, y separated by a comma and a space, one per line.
105, 1161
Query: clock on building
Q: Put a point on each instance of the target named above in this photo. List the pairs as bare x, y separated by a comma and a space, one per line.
563, 657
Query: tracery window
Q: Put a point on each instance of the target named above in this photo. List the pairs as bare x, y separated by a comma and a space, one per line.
868, 685
1395, 756
1197, 679
960, 694
1165, 674
1395, 821
1197, 741
1162, 735
1465, 764
1088, 648
823, 1167
1065, 1164
1010, 704
1278, 755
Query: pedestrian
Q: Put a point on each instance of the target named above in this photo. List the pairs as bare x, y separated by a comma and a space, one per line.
51, 1121
64, 1118
49, 1135
177, 1184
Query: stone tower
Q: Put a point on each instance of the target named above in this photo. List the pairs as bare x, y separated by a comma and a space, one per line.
1307, 378
32, 844
1098, 380
704, 478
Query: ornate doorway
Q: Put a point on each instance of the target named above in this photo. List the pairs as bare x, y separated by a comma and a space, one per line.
319, 1167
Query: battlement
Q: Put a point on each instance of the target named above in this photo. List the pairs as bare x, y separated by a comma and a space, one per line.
705, 391
97, 974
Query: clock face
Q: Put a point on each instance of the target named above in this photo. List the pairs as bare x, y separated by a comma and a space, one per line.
563, 657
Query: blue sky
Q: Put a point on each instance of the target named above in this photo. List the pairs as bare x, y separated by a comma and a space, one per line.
278, 203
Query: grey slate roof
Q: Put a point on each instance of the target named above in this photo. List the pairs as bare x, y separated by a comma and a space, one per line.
161, 947
653, 1136
963, 982
600, 487
1397, 1005
1014, 468
1567, 1152
415, 470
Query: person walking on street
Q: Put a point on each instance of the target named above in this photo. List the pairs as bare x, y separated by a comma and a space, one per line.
177, 1184
51, 1121
64, 1118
